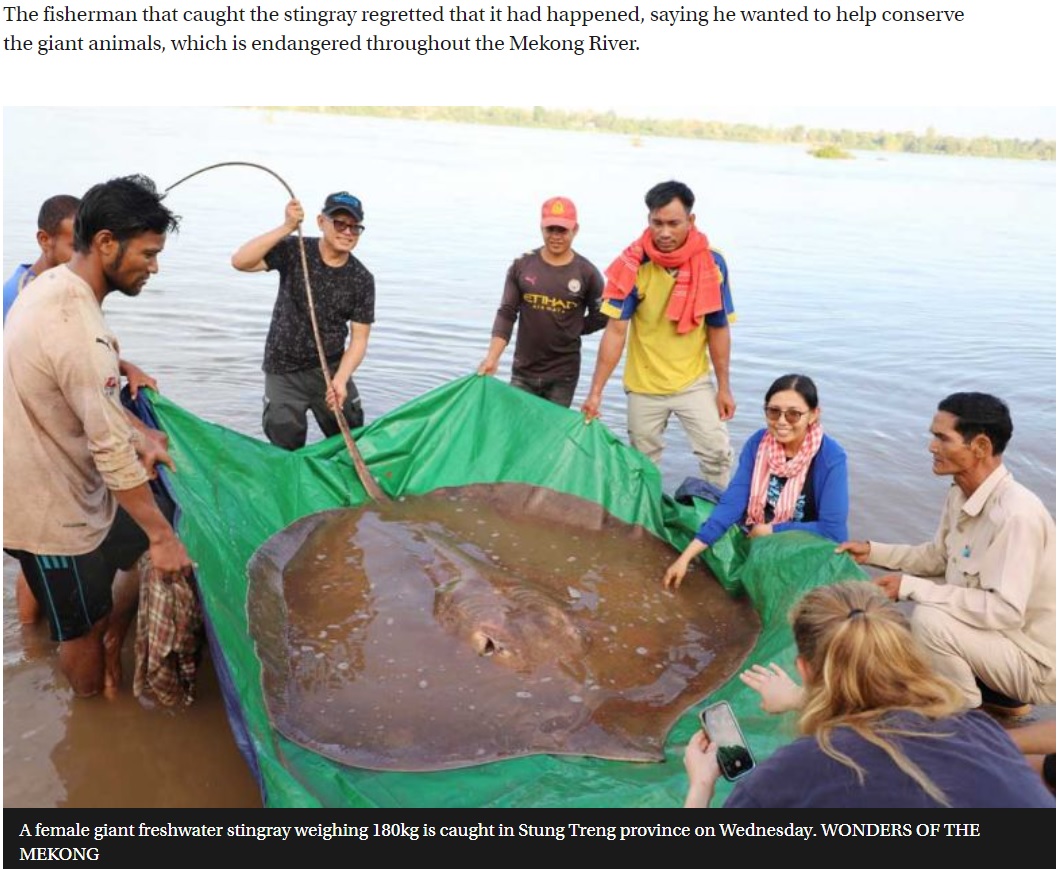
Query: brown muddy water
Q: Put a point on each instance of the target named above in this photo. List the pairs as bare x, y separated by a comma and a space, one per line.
65, 752
429, 634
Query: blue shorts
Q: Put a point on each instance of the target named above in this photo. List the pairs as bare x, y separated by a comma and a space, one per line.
75, 590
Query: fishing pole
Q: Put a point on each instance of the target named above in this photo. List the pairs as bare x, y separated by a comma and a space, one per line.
368, 483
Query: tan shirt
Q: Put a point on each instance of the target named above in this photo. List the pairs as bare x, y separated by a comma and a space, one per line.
992, 564
67, 439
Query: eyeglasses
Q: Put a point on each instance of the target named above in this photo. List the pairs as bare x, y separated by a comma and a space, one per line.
344, 226
556, 230
772, 414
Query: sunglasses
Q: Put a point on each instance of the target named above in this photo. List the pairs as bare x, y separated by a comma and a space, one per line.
556, 230
346, 226
772, 414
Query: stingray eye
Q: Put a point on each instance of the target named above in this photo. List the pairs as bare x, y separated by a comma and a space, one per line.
494, 647
487, 645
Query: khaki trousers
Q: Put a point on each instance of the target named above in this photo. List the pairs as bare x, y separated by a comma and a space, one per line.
961, 653
696, 408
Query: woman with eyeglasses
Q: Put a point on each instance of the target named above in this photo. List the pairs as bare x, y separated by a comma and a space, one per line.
791, 476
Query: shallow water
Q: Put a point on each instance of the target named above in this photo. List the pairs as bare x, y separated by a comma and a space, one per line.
891, 279
429, 634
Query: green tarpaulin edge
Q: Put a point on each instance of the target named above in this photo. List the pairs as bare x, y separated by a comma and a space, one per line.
234, 492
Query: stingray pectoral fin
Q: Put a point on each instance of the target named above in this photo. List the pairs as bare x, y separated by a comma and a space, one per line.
612, 744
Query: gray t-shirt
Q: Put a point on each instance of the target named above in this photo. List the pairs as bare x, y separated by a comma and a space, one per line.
968, 755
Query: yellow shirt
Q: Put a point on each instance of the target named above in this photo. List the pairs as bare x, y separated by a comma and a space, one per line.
660, 361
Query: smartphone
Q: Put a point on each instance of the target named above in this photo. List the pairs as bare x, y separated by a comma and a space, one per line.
733, 754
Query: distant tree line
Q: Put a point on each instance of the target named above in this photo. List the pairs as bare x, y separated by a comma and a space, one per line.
928, 142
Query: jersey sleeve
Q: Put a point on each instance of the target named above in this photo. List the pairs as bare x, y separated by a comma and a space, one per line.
726, 314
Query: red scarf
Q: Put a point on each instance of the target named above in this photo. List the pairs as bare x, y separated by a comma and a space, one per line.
771, 460
697, 288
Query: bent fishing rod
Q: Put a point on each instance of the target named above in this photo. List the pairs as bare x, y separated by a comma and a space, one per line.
365, 478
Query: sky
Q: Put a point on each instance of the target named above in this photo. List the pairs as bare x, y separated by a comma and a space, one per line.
1002, 122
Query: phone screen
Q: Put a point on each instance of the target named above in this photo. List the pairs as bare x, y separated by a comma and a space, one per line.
733, 754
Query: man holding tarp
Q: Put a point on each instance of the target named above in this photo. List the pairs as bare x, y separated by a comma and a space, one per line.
69, 441
668, 296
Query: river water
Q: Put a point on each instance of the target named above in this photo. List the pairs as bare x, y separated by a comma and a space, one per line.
890, 279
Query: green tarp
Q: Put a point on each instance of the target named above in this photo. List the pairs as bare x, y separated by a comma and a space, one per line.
234, 492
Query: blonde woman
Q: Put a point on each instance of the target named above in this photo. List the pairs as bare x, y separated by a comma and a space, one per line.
878, 727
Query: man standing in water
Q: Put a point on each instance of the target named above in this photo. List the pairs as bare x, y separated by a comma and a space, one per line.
985, 588
556, 294
668, 296
69, 441
344, 292
55, 239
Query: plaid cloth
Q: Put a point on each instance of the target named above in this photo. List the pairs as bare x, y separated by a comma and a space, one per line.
771, 460
170, 637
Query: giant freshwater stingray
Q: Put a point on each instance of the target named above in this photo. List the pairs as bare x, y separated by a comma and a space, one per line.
480, 623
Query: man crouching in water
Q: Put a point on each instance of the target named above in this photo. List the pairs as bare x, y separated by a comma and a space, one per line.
69, 441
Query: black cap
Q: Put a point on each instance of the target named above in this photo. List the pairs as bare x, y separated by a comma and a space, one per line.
342, 201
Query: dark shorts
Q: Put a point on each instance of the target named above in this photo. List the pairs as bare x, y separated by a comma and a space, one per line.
288, 398
75, 590
559, 391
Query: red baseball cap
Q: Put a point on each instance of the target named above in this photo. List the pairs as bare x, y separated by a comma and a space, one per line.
559, 211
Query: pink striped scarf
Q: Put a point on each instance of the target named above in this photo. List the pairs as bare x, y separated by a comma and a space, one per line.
771, 460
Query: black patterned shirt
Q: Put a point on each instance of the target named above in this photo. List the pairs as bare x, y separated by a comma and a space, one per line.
342, 295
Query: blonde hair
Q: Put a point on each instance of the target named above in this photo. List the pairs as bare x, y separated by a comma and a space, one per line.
863, 665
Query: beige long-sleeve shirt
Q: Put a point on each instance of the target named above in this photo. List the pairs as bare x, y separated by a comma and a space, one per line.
992, 564
67, 439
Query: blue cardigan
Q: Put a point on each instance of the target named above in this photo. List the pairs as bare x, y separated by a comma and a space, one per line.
830, 491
